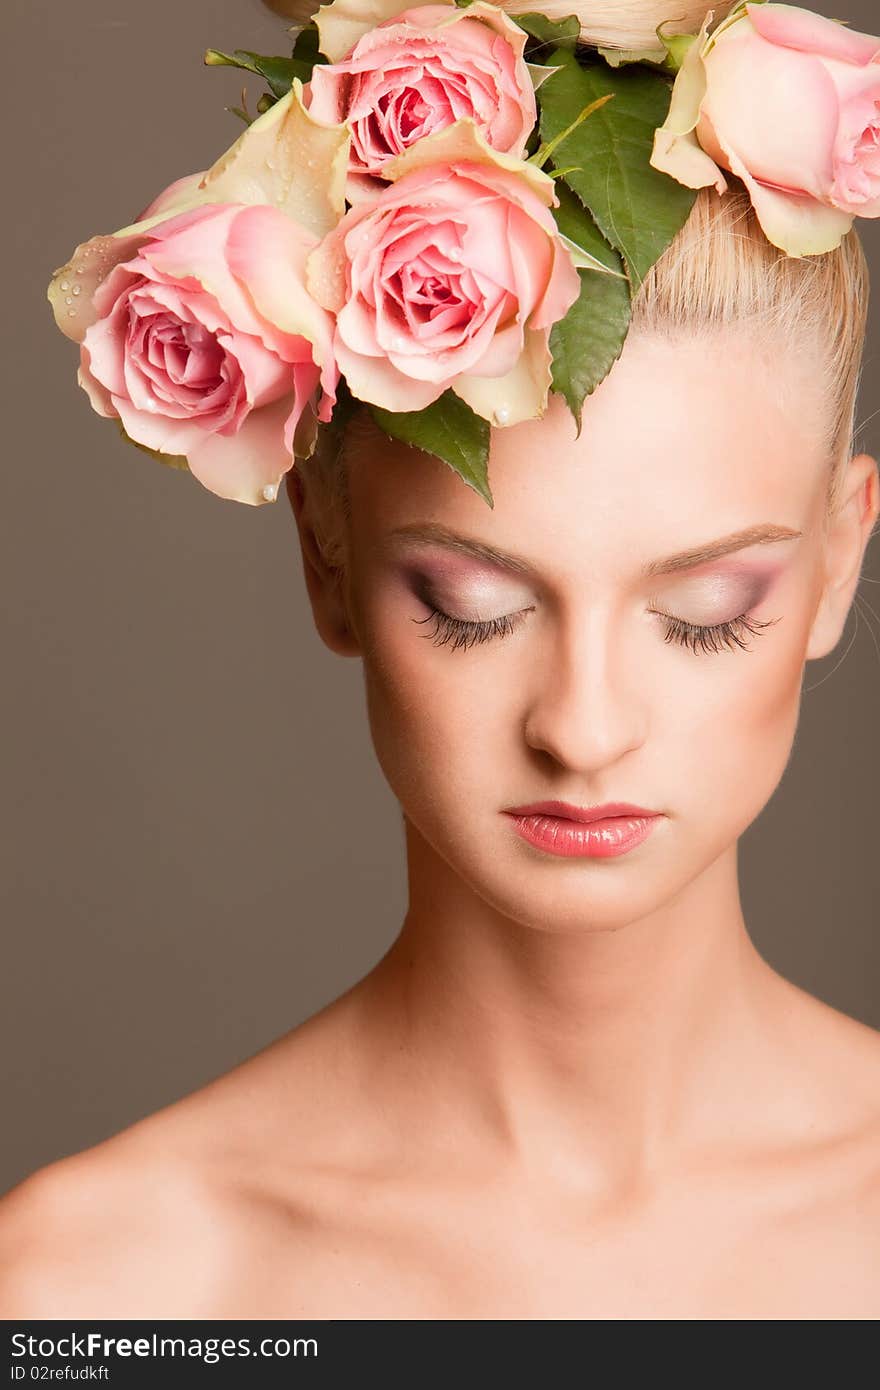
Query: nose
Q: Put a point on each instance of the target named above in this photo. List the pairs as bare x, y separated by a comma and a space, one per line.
588, 706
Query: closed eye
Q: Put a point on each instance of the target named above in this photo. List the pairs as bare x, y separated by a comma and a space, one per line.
462, 633
698, 637
715, 636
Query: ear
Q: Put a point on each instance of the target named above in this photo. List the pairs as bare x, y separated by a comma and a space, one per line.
324, 582
848, 534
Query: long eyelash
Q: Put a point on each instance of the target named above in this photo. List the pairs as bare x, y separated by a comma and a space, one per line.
716, 637
465, 634
461, 633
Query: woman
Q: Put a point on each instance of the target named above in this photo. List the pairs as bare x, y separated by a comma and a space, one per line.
572, 1088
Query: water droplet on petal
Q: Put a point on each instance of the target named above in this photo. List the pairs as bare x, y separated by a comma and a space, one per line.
68, 300
71, 313
65, 284
77, 289
270, 492
502, 415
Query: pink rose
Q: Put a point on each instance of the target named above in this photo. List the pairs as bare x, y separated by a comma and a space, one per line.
195, 329
197, 345
418, 72
175, 197
452, 277
789, 101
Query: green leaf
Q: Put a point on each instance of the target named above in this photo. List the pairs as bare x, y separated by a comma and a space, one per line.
578, 227
449, 429
637, 208
588, 341
306, 46
544, 152
278, 72
547, 33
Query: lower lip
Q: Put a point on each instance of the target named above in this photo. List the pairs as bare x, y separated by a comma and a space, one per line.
599, 839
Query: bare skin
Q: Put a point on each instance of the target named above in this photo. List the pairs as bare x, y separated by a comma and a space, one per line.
258, 1197
571, 1089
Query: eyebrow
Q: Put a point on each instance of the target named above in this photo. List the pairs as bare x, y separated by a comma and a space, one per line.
434, 533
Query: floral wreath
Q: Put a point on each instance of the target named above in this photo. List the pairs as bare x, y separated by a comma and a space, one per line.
444, 211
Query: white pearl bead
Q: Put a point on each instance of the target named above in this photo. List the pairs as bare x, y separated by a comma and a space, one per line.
502, 415
270, 492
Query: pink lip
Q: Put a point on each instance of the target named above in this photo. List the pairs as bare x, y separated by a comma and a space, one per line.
585, 814
599, 832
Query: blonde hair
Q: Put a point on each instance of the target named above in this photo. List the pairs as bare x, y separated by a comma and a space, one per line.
720, 271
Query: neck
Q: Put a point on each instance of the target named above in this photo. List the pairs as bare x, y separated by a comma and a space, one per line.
604, 1049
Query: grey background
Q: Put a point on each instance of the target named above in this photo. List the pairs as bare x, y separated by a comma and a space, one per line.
176, 738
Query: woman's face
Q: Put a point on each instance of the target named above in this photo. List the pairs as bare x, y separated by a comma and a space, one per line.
581, 690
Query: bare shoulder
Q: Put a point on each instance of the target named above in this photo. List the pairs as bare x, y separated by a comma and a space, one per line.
843, 1051
835, 1071
119, 1230
185, 1213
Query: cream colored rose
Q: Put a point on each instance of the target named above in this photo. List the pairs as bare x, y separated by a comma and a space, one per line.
789, 101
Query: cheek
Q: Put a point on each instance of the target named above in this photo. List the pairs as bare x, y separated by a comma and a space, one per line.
428, 706
739, 736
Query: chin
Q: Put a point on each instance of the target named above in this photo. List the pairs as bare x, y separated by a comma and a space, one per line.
562, 896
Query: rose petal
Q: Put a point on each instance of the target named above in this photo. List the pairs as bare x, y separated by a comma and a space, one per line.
789, 26
240, 466
193, 247
287, 160
343, 22
787, 138
99, 396
160, 432
175, 197
265, 377
677, 151
89, 265
268, 254
856, 184
101, 348
284, 158
421, 70
377, 380
464, 141
522, 393
308, 383
795, 222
